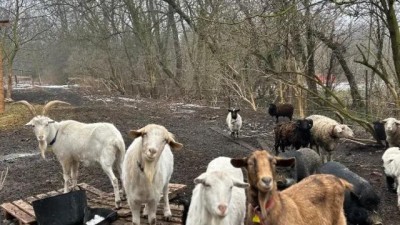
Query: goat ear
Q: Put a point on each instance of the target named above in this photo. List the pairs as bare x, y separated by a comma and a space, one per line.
237, 110
229, 110
30, 123
136, 133
384, 121
311, 123
175, 145
239, 163
283, 162
200, 179
240, 184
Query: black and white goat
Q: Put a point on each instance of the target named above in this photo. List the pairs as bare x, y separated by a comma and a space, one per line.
234, 122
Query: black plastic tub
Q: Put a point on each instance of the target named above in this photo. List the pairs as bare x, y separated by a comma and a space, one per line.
64, 209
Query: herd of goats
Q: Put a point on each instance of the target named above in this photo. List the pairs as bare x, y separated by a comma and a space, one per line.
302, 187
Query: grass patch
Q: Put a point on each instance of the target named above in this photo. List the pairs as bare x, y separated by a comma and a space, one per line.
15, 115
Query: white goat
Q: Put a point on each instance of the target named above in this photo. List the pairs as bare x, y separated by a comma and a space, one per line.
234, 122
215, 200
391, 165
147, 169
392, 131
73, 142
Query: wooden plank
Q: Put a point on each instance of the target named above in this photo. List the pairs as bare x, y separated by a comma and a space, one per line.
16, 212
26, 207
23, 211
30, 199
41, 196
93, 190
52, 193
235, 140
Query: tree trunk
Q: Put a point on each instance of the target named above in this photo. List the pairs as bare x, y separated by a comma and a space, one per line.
1, 80
9, 83
394, 33
338, 51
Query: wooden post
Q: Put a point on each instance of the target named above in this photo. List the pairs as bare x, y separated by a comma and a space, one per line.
3, 23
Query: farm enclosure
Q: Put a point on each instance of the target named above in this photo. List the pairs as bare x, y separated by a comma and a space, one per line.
194, 125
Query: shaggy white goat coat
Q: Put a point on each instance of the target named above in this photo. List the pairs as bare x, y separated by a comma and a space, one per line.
218, 178
326, 133
392, 131
76, 142
391, 165
234, 125
145, 180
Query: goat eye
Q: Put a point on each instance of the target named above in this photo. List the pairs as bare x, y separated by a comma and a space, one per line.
207, 185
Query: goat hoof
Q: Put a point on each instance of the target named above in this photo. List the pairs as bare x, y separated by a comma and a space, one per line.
118, 204
167, 218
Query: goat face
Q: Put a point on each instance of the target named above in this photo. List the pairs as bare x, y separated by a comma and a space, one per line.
260, 167
272, 109
217, 191
41, 128
343, 131
285, 176
234, 113
304, 124
391, 125
154, 139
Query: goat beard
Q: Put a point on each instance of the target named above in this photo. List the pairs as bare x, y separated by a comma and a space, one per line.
150, 170
43, 147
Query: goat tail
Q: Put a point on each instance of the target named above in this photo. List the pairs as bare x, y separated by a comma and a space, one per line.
120, 154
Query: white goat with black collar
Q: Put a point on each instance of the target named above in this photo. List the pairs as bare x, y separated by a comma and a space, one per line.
147, 169
73, 142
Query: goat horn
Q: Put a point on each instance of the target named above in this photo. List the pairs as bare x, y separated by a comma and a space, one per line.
29, 105
52, 103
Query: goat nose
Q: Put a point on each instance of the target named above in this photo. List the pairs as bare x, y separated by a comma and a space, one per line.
152, 151
41, 137
222, 208
266, 180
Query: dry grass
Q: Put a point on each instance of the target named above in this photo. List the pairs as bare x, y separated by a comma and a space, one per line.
15, 115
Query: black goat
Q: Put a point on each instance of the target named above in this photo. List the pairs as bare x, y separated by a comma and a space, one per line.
296, 134
284, 110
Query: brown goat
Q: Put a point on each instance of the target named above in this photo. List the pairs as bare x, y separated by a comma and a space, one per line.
316, 200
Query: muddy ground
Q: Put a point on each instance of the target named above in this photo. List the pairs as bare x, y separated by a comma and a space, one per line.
194, 126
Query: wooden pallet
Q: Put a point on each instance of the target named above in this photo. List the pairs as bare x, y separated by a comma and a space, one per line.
22, 210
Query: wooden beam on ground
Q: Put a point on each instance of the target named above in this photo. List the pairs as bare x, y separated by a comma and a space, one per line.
235, 140
22, 210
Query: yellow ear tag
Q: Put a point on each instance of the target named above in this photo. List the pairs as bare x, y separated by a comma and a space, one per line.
256, 219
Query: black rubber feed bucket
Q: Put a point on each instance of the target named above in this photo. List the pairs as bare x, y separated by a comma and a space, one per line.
64, 209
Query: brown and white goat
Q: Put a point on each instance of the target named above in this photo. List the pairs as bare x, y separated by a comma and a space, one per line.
316, 200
